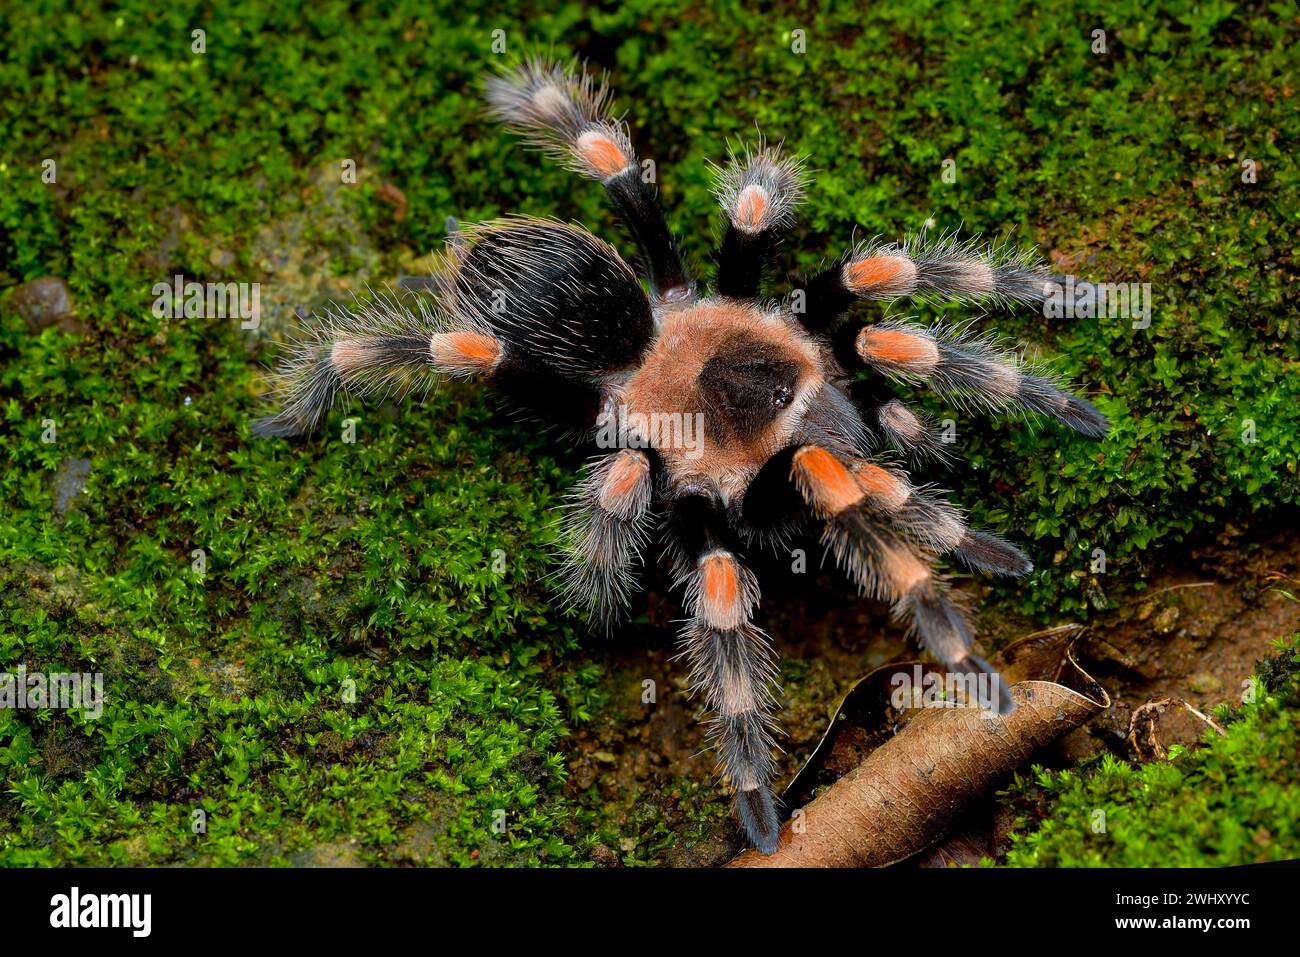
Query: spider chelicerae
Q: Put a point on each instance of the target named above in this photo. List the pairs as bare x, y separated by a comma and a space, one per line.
787, 435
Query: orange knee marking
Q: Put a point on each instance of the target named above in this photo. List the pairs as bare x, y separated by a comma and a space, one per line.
889, 275
623, 479
464, 351
751, 206
826, 480
897, 348
721, 585
723, 601
602, 153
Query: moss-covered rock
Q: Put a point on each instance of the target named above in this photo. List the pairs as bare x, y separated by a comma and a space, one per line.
1227, 803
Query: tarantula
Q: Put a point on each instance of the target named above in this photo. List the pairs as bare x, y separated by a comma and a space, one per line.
554, 318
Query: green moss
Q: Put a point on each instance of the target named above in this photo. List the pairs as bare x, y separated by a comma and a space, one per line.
373, 562
1231, 801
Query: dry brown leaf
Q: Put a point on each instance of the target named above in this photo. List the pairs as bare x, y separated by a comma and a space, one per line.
907, 792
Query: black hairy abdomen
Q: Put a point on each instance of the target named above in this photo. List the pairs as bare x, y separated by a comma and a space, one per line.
559, 298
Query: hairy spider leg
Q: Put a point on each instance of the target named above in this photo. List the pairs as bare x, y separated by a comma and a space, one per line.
566, 113
607, 523
943, 268
974, 370
732, 665
884, 564
758, 192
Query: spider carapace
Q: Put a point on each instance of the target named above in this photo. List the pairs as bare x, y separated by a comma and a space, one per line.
720, 422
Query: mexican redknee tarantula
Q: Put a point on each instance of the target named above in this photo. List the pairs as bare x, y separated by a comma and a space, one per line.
553, 317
